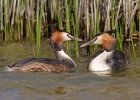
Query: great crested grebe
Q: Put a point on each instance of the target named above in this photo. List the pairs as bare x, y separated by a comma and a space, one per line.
62, 62
109, 58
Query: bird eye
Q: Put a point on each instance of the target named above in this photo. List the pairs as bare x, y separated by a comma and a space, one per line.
95, 38
68, 35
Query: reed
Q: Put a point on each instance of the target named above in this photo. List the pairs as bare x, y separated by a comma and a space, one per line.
139, 21
1, 20
39, 15
75, 23
67, 6
95, 22
83, 18
20, 20
6, 19
131, 30
60, 15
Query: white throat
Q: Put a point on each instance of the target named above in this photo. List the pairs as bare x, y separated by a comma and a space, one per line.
63, 56
99, 63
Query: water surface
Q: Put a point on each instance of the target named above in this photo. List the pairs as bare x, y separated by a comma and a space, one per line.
77, 85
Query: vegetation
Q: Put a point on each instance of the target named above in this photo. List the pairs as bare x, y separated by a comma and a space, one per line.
82, 18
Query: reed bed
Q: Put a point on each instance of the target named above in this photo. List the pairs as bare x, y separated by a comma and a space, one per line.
83, 18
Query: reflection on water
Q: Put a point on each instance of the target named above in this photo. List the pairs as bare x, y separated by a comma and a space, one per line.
103, 73
77, 85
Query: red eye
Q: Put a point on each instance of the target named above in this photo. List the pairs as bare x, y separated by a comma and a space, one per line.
68, 35
95, 38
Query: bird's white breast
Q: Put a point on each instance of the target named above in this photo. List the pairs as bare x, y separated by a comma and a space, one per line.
99, 63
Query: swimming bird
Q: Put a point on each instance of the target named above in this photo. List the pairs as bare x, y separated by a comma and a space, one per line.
109, 58
62, 62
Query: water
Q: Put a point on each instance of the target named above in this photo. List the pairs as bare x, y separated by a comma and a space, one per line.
77, 85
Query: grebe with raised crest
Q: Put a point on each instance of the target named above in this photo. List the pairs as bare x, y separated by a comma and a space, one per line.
62, 62
109, 58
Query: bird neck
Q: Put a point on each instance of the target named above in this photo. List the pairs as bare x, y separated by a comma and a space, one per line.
61, 55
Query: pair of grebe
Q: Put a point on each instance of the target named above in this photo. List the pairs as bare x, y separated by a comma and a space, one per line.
103, 60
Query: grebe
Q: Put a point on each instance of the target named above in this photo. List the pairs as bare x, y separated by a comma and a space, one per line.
62, 62
109, 58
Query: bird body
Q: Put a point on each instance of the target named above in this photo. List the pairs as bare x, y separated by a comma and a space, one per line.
41, 64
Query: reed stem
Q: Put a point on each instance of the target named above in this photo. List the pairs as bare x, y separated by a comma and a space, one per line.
84, 18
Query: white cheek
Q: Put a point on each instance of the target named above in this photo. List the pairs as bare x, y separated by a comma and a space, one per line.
98, 41
65, 36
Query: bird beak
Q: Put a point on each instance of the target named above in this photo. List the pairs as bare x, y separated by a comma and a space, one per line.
73, 38
87, 43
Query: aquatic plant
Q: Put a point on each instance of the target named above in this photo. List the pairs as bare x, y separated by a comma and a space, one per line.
83, 18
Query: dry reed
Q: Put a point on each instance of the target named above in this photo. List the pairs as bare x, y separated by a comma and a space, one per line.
83, 18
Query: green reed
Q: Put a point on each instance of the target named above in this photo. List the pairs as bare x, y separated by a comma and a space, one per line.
20, 21
67, 19
67, 9
59, 14
82, 18
75, 23
95, 23
6, 8
131, 30
39, 15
